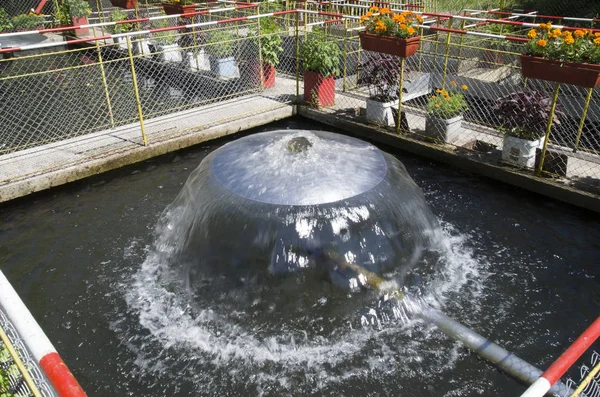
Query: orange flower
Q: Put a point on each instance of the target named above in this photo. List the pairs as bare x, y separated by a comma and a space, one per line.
384, 11
569, 40
541, 43
374, 9
437, 105
579, 33
399, 18
420, 19
402, 26
545, 26
453, 82
597, 34
532, 34
410, 31
380, 27
597, 41
567, 34
556, 33
464, 87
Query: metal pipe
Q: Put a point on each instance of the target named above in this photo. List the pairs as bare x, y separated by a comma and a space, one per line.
586, 106
400, 88
137, 93
488, 350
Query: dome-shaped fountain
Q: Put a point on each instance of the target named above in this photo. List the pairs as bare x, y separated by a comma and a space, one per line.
280, 202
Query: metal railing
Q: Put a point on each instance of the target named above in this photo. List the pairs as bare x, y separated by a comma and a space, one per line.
107, 82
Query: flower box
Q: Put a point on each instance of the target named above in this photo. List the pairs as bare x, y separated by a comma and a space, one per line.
443, 130
127, 4
520, 151
174, 9
380, 113
389, 45
579, 74
319, 91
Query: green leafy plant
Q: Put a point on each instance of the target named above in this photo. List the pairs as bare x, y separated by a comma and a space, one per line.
8, 370
117, 16
28, 21
220, 43
5, 22
321, 55
525, 114
69, 9
383, 22
167, 37
270, 41
582, 45
447, 104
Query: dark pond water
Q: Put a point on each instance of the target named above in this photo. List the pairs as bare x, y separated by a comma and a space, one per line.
516, 267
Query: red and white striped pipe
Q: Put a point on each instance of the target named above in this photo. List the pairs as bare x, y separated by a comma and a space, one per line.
37, 342
543, 384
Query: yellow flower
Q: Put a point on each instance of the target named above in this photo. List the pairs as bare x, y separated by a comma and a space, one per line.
402, 26
380, 27
384, 11
597, 34
438, 91
464, 87
437, 106
541, 43
453, 82
579, 33
374, 9
566, 34
532, 34
419, 19
569, 40
597, 41
410, 31
555, 34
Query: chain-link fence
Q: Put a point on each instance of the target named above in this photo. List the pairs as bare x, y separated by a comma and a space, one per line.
27, 380
204, 75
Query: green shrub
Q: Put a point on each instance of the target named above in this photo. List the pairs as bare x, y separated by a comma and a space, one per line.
220, 43
5, 22
118, 16
321, 55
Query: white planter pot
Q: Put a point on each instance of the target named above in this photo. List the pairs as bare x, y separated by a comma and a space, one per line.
142, 47
224, 68
380, 113
121, 41
169, 52
444, 130
202, 61
520, 151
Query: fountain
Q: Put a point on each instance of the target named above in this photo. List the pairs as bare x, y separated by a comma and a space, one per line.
287, 201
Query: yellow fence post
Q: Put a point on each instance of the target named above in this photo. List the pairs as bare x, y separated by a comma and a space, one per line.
137, 92
586, 106
105, 83
538, 170
345, 53
400, 86
447, 55
297, 58
260, 61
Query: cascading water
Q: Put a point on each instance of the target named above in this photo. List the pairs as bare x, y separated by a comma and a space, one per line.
245, 273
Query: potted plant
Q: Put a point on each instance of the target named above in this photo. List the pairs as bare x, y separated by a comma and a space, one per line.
30, 21
321, 58
381, 77
270, 49
118, 16
444, 114
524, 117
5, 21
562, 56
221, 48
127, 4
174, 7
390, 33
164, 44
74, 12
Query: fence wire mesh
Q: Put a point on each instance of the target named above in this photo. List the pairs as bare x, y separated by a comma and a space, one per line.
12, 382
203, 76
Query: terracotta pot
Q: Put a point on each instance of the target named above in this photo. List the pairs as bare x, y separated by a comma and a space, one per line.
173, 9
318, 90
127, 4
579, 74
268, 77
389, 45
77, 21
